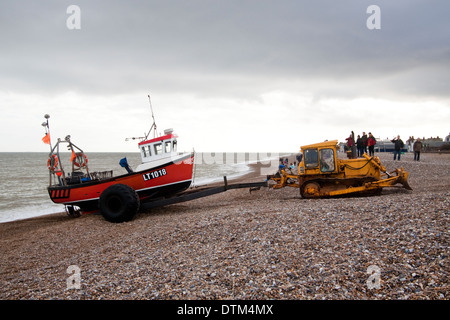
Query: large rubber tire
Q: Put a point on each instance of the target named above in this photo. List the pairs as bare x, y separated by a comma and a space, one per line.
119, 203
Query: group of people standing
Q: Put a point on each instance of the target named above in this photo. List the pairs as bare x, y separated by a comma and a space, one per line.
398, 146
364, 142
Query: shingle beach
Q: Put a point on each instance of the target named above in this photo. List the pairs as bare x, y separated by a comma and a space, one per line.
265, 244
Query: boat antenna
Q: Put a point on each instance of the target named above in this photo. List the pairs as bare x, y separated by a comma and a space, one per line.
154, 122
153, 127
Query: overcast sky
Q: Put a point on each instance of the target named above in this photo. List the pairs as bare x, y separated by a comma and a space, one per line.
225, 75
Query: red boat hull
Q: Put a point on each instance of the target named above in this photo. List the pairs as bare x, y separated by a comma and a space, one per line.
162, 181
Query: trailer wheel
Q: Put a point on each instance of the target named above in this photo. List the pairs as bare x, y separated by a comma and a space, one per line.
118, 203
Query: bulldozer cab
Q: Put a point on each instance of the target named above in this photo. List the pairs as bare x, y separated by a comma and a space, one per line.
319, 158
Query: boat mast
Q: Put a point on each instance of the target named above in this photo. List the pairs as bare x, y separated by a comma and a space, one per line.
46, 125
154, 122
153, 127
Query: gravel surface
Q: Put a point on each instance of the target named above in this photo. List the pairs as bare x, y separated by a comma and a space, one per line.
267, 244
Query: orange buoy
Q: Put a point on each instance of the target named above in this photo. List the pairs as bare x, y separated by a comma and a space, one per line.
80, 160
52, 162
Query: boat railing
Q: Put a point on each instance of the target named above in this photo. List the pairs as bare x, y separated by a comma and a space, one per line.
101, 175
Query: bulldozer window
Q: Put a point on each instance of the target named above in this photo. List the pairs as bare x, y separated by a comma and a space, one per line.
311, 159
326, 160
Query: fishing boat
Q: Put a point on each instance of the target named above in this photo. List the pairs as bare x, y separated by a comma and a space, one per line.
164, 172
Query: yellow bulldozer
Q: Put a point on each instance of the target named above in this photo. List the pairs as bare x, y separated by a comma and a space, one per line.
322, 174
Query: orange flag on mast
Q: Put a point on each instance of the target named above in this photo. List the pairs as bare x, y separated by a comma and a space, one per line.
46, 139
73, 156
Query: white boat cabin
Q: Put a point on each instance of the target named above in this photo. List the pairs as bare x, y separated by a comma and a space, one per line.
158, 150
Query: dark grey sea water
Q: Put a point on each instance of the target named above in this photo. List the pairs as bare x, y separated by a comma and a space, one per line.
24, 177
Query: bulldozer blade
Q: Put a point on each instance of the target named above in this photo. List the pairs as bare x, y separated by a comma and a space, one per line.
406, 185
404, 179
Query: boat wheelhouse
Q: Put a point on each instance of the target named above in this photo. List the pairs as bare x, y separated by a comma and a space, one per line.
158, 150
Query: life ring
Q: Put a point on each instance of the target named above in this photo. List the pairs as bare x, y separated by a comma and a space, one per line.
80, 160
52, 162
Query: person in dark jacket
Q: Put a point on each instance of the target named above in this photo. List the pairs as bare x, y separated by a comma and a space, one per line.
364, 140
417, 147
398, 145
360, 146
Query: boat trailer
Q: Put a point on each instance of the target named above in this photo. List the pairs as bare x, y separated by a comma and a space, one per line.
201, 192
188, 195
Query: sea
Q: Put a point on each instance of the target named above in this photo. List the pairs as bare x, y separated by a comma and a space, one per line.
24, 176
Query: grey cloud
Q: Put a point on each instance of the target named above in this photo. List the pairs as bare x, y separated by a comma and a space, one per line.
225, 47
